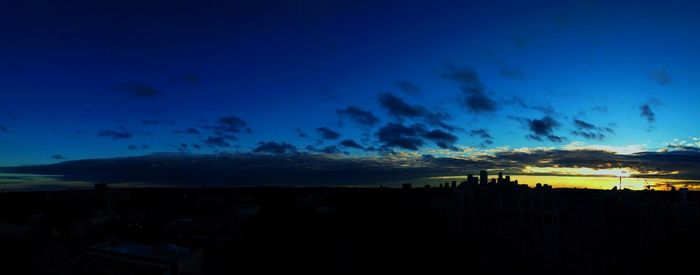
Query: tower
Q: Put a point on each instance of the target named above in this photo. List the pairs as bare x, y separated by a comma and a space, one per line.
483, 177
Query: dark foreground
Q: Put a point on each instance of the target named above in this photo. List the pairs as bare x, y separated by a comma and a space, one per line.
471, 229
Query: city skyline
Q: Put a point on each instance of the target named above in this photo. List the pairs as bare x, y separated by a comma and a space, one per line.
568, 93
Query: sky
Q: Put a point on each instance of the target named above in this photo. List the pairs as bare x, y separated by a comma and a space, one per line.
402, 83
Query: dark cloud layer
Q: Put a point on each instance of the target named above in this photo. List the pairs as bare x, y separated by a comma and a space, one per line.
277, 168
3, 129
473, 93
122, 133
359, 116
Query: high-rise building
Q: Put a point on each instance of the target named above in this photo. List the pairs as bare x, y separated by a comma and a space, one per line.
500, 177
483, 177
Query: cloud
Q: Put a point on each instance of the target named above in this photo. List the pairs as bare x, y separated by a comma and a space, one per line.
473, 97
300, 133
545, 109
408, 88
188, 131
135, 90
661, 76
438, 119
331, 149
599, 108
3, 129
396, 135
327, 133
541, 129
58, 157
150, 122
122, 133
507, 71
136, 147
590, 131
333, 169
358, 116
232, 124
482, 133
442, 139
398, 108
187, 79
275, 148
647, 113
216, 142
349, 143
228, 127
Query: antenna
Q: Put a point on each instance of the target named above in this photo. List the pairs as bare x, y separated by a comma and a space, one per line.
620, 184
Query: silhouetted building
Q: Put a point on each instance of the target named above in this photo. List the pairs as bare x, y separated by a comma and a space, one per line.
483, 177
406, 186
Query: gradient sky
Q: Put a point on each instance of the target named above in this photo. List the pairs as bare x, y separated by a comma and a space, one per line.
98, 79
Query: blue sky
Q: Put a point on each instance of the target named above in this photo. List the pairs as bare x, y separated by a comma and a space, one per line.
76, 75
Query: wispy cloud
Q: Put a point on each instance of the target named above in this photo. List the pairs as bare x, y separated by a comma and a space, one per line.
661, 76
275, 148
473, 95
135, 90
408, 87
121, 133
359, 116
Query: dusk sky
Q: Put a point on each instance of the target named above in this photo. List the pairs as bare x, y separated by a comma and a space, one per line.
546, 88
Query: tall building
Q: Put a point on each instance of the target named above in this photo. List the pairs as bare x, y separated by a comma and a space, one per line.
483, 177
500, 177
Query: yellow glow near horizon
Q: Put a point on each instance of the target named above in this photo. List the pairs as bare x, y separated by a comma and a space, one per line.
588, 182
